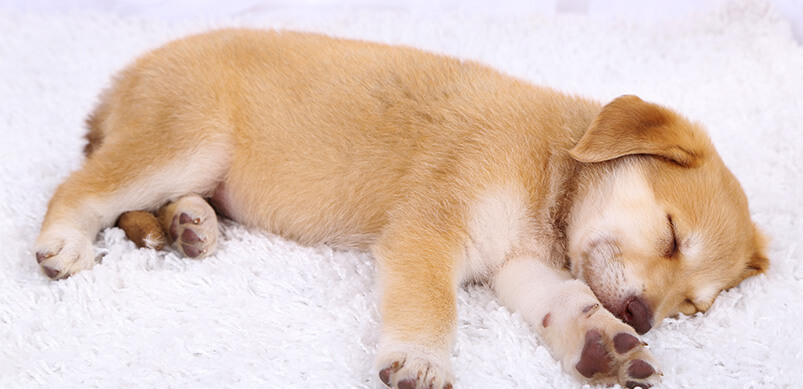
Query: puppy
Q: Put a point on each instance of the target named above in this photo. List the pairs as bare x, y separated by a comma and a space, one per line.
593, 222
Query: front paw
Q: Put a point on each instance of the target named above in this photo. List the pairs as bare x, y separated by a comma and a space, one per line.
406, 367
62, 252
616, 355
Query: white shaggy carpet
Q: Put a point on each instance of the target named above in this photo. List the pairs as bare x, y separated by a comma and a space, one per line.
265, 312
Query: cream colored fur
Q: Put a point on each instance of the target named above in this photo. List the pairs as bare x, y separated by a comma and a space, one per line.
446, 170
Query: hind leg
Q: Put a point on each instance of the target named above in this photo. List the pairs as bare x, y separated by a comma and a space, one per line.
188, 224
119, 177
143, 229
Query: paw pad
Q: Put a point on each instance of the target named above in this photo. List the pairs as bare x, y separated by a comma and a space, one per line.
594, 358
619, 358
192, 236
640, 369
42, 257
385, 374
624, 342
407, 384
413, 372
51, 272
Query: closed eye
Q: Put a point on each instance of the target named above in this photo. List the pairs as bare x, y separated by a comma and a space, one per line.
672, 245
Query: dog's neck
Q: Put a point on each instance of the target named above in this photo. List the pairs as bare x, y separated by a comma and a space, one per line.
567, 172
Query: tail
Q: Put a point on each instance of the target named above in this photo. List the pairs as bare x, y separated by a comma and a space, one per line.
95, 123
141, 227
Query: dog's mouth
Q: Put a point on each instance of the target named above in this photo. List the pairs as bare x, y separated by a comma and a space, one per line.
599, 264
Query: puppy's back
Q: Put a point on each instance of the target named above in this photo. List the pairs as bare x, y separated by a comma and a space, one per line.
298, 115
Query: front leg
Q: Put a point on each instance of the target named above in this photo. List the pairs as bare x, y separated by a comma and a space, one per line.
592, 343
417, 277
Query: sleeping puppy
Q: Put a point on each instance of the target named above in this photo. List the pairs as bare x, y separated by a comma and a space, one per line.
593, 222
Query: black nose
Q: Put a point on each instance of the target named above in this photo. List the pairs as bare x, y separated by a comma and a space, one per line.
636, 313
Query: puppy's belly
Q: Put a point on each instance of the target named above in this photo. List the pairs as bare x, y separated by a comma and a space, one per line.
223, 204
309, 216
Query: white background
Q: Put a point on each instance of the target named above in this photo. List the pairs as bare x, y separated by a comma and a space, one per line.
205, 9
255, 314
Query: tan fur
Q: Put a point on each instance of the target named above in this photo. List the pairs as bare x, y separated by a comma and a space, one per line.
446, 170
143, 229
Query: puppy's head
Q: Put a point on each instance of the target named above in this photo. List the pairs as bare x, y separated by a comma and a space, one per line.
659, 225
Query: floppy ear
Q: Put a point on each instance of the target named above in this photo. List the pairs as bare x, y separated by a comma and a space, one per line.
758, 262
628, 125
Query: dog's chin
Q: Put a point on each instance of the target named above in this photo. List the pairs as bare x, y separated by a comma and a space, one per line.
600, 268
598, 259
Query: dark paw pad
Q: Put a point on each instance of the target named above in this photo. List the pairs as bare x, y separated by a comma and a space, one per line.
423, 378
594, 358
624, 342
190, 251
385, 373
186, 219
407, 384
41, 257
51, 272
640, 369
188, 235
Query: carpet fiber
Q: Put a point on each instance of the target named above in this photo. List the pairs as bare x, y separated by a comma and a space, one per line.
266, 312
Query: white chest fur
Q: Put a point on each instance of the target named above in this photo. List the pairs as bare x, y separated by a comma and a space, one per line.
497, 223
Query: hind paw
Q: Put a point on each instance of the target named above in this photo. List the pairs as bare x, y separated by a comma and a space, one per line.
193, 227
143, 229
62, 252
